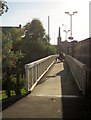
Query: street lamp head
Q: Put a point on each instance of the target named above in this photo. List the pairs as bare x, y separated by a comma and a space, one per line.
72, 13
66, 12
62, 24
75, 12
64, 30
68, 30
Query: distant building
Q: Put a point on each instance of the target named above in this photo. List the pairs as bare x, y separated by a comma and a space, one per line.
65, 46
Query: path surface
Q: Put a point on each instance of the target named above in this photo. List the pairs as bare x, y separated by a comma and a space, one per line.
56, 96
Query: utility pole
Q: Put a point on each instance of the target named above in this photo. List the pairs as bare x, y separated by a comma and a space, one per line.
48, 29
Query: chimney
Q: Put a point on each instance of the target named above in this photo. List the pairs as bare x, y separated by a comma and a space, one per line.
59, 38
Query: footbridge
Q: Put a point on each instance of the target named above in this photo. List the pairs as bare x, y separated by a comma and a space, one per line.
36, 70
55, 89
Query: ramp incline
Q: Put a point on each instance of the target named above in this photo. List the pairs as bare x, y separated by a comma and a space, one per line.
55, 96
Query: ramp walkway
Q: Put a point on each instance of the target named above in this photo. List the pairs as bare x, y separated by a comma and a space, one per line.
55, 96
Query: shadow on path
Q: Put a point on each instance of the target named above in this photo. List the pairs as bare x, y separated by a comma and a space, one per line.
56, 96
68, 84
74, 105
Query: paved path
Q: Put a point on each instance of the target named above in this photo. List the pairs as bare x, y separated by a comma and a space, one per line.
56, 96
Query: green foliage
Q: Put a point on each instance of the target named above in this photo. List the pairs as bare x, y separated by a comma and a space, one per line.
12, 92
35, 50
9, 56
18, 51
35, 30
10, 59
35, 45
3, 7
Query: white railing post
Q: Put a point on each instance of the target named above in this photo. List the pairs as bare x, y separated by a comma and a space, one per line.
32, 80
36, 70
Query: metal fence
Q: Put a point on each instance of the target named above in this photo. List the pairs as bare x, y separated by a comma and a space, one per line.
36, 70
78, 70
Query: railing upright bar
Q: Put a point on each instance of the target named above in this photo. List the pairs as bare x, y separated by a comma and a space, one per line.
37, 69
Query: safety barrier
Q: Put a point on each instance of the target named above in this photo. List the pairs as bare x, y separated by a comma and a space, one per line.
36, 70
78, 70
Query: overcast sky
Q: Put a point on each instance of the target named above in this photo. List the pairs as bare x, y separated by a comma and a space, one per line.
23, 11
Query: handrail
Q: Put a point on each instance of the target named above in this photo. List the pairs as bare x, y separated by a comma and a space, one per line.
78, 70
36, 70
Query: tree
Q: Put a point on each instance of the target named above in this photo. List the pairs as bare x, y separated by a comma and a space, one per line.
9, 60
3, 7
35, 44
35, 30
18, 51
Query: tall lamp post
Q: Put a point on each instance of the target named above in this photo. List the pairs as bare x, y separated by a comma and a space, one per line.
49, 29
71, 23
66, 31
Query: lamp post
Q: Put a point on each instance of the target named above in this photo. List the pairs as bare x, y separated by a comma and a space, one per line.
66, 31
71, 14
49, 29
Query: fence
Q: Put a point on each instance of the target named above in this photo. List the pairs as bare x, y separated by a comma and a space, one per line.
79, 72
36, 70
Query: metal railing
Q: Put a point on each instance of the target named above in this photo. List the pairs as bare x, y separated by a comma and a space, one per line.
78, 70
35, 71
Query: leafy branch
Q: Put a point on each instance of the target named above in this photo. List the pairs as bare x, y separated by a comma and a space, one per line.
3, 7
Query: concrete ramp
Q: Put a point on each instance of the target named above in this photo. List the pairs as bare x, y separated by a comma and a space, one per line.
57, 82
55, 96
